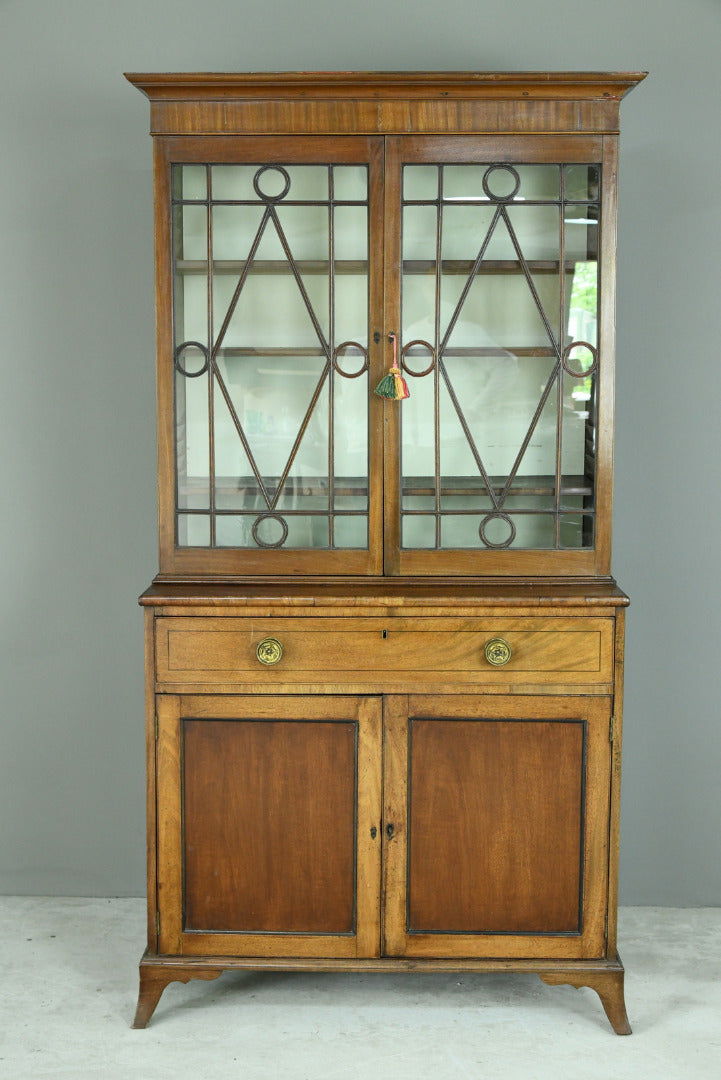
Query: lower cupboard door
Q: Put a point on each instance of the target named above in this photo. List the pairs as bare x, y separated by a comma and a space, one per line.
496, 826
269, 825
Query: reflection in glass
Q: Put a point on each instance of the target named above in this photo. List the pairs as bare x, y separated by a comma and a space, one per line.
582, 183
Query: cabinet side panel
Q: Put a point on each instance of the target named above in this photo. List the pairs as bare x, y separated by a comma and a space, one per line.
164, 353
607, 355
150, 777
615, 794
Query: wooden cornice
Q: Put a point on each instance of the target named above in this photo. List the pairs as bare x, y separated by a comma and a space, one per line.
333, 102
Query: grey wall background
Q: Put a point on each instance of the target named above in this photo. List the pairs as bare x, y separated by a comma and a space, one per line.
77, 429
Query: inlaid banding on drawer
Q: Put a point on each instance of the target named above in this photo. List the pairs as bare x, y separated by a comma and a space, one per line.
224, 650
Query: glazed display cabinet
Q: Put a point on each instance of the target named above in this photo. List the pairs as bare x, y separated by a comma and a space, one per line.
384, 647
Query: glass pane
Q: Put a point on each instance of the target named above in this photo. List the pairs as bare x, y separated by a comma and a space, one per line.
464, 231
349, 502
578, 448
582, 182
233, 181
234, 230
418, 309
270, 311
515, 379
271, 531
464, 182
420, 182
272, 407
193, 182
418, 444
577, 530
581, 324
350, 532
193, 530
489, 183
351, 233
581, 230
192, 232
350, 293
306, 231
307, 182
192, 440
251, 183
419, 531
419, 234
350, 182
350, 432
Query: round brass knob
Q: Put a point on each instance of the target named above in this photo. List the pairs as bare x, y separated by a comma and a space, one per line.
269, 651
498, 652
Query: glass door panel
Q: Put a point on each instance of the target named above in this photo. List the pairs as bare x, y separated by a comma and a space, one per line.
271, 310
499, 345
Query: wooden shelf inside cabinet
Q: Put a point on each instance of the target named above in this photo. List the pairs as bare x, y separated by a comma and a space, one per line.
418, 485
384, 649
522, 485
359, 266
272, 266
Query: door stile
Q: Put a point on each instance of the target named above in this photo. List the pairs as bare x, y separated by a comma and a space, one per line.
607, 352
392, 243
369, 817
395, 815
376, 352
170, 825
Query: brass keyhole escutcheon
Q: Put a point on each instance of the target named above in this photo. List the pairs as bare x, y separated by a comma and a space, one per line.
498, 652
269, 651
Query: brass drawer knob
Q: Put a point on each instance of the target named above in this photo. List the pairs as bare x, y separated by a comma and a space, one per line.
498, 652
269, 651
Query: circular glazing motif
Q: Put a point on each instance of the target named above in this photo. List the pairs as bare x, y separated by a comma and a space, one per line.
404, 355
179, 352
574, 372
273, 169
361, 350
259, 524
490, 519
487, 183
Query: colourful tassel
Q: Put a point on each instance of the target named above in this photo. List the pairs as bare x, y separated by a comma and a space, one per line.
393, 386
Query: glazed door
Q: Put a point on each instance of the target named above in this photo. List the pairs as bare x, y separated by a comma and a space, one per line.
269, 317
269, 826
496, 826
498, 463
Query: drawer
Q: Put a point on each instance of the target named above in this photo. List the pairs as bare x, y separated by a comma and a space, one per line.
224, 651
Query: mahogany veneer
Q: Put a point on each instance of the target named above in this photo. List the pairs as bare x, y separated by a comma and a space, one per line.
396, 790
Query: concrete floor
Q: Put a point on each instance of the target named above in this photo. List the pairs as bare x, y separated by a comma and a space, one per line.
69, 986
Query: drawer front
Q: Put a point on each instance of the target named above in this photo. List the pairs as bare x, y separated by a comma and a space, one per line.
224, 651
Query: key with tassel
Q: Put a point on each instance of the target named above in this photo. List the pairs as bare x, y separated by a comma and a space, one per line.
393, 386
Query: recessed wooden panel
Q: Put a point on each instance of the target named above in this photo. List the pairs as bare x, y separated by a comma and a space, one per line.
495, 826
269, 826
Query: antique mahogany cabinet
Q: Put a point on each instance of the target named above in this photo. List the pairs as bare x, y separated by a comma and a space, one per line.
384, 648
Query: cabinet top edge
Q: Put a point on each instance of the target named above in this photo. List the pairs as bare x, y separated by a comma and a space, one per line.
396, 594
380, 85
